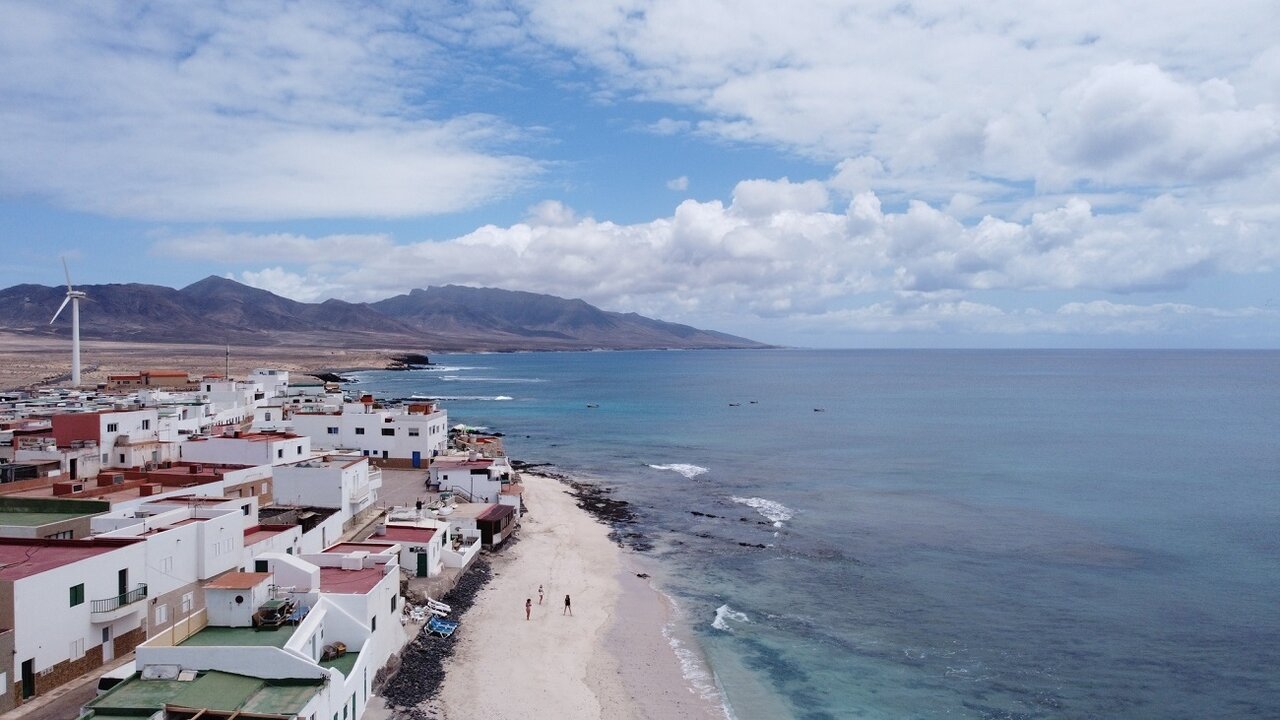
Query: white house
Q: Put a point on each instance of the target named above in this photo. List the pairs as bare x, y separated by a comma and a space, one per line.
403, 436
480, 479
346, 482
247, 448
345, 611
72, 605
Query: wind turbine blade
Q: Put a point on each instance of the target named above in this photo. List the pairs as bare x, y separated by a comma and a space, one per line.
68, 273
60, 308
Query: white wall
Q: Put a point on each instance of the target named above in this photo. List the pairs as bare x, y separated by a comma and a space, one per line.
377, 433
45, 623
252, 449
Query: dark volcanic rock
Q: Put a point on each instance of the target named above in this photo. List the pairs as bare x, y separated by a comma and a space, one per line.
421, 670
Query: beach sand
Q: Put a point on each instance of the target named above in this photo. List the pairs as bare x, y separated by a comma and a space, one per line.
610, 659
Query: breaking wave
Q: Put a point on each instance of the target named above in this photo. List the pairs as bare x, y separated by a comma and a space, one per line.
457, 398
772, 510
723, 613
685, 469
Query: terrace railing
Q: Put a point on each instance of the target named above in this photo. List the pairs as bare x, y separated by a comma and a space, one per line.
118, 601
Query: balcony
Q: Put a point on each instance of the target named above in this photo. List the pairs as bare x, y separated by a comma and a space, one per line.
117, 606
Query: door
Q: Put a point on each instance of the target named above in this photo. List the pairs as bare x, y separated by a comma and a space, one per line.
122, 578
417, 459
108, 646
424, 568
28, 678
74, 469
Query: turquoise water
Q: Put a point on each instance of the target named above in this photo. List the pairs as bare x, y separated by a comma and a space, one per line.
970, 534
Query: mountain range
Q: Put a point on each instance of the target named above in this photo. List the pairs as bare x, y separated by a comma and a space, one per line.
437, 319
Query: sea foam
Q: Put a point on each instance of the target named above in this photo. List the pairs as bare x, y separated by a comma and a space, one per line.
685, 469
772, 510
724, 613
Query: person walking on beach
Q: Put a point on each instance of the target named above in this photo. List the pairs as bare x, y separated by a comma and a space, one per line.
528, 607
539, 594
568, 608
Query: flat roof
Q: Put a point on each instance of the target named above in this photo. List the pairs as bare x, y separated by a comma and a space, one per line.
409, 533
212, 690
367, 546
236, 580
240, 637
258, 533
24, 558
349, 582
36, 519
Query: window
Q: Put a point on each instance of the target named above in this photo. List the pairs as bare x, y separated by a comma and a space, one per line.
393, 602
332, 430
146, 424
187, 601
373, 624
113, 427
64, 535
299, 449
105, 458
166, 564
260, 566
280, 453
121, 458
162, 614
413, 432
267, 417
359, 431
244, 509
389, 431
77, 649
77, 595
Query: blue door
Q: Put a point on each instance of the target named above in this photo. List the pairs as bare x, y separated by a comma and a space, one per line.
417, 459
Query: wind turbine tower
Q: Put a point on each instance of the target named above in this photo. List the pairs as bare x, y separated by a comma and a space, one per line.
74, 297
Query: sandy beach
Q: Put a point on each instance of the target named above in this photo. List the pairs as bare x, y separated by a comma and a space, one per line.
610, 659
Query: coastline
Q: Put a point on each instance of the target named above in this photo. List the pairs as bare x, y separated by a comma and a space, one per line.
611, 659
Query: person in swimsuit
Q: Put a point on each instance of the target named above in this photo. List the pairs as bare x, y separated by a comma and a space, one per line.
539, 594
528, 607
568, 608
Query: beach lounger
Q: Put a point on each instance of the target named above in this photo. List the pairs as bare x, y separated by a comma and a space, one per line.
418, 614
437, 605
443, 628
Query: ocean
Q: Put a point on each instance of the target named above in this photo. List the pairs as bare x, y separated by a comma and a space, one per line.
929, 534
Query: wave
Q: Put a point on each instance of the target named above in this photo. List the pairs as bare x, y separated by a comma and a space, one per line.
472, 378
446, 368
685, 469
469, 428
723, 613
772, 510
461, 397
693, 667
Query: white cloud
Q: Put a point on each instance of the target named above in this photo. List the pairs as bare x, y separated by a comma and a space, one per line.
936, 98
779, 251
679, 184
243, 111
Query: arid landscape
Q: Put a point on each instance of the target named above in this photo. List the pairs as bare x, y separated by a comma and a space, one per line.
27, 361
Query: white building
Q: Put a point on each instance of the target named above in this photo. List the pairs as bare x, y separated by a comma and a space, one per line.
479, 479
247, 448
406, 437
350, 600
72, 605
346, 482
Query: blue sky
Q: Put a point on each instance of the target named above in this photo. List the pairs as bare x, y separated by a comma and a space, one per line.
832, 174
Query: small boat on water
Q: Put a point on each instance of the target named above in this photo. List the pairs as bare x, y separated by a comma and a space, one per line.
819, 409
593, 405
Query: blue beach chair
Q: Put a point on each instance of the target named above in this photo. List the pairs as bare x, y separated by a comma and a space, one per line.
443, 628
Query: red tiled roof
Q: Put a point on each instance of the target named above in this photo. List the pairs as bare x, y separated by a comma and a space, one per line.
236, 580
409, 534
349, 582
496, 512
24, 558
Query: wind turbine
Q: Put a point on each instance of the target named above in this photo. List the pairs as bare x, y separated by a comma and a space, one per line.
74, 297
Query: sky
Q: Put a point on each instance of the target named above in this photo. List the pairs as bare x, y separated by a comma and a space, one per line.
817, 173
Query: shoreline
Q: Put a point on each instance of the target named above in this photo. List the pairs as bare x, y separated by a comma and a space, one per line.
611, 659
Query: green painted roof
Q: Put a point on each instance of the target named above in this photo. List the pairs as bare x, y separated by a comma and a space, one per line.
344, 663
36, 519
211, 690
240, 637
